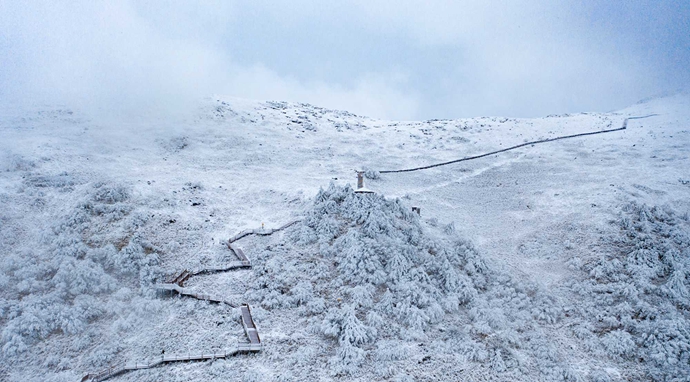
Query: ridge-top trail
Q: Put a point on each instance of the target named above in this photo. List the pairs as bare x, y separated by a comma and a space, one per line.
623, 127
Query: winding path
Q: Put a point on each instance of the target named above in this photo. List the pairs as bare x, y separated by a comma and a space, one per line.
176, 284
259, 231
623, 127
120, 368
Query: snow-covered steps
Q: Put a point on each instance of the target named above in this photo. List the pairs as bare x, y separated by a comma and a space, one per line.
176, 284
244, 263
181, 278
147, 364
239, 253
260, 231
249, 326
184, 292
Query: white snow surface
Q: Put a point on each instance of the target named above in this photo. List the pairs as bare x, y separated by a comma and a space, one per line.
580, 252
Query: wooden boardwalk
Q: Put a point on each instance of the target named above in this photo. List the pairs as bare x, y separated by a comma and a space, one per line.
244, 263
120, 368
260, 231
199, 296
239, 253
181, 278
176, 284
249, 326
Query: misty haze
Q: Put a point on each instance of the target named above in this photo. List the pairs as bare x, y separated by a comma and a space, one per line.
361, 191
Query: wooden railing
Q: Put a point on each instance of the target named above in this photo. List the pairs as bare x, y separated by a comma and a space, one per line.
176, 284
260, 231
120, 368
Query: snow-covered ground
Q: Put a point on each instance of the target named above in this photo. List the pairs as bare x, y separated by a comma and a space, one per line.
548, 262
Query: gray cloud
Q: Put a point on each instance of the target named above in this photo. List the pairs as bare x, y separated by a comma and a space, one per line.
402, 59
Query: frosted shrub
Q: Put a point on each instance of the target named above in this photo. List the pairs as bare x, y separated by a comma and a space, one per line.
370, 277
344, 325
380, 270
372, 174
636, 295
546, 309
316, 306
391, 351
126, 261
175, 144
16, 163
108, 194
347, 359
599, 376
102, 355
64, 285
352, 330
62, 180
302, 293
619, 343
404, 378
304, 236
257, 375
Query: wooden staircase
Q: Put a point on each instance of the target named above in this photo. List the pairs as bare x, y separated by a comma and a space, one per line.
122, 367
176, 284
181, 278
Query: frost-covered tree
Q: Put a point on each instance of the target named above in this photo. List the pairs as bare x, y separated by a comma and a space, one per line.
636, 294
372, 269
62, 285
375, 273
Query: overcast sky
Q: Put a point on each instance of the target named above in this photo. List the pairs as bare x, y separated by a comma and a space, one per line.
388, 59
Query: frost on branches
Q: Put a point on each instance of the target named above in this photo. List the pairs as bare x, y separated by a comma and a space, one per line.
373, 273
63, 283
374, 281
636, 296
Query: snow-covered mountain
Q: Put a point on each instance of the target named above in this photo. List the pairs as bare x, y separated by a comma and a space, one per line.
567, 260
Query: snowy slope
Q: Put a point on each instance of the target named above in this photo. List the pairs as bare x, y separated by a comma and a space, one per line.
93, 211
